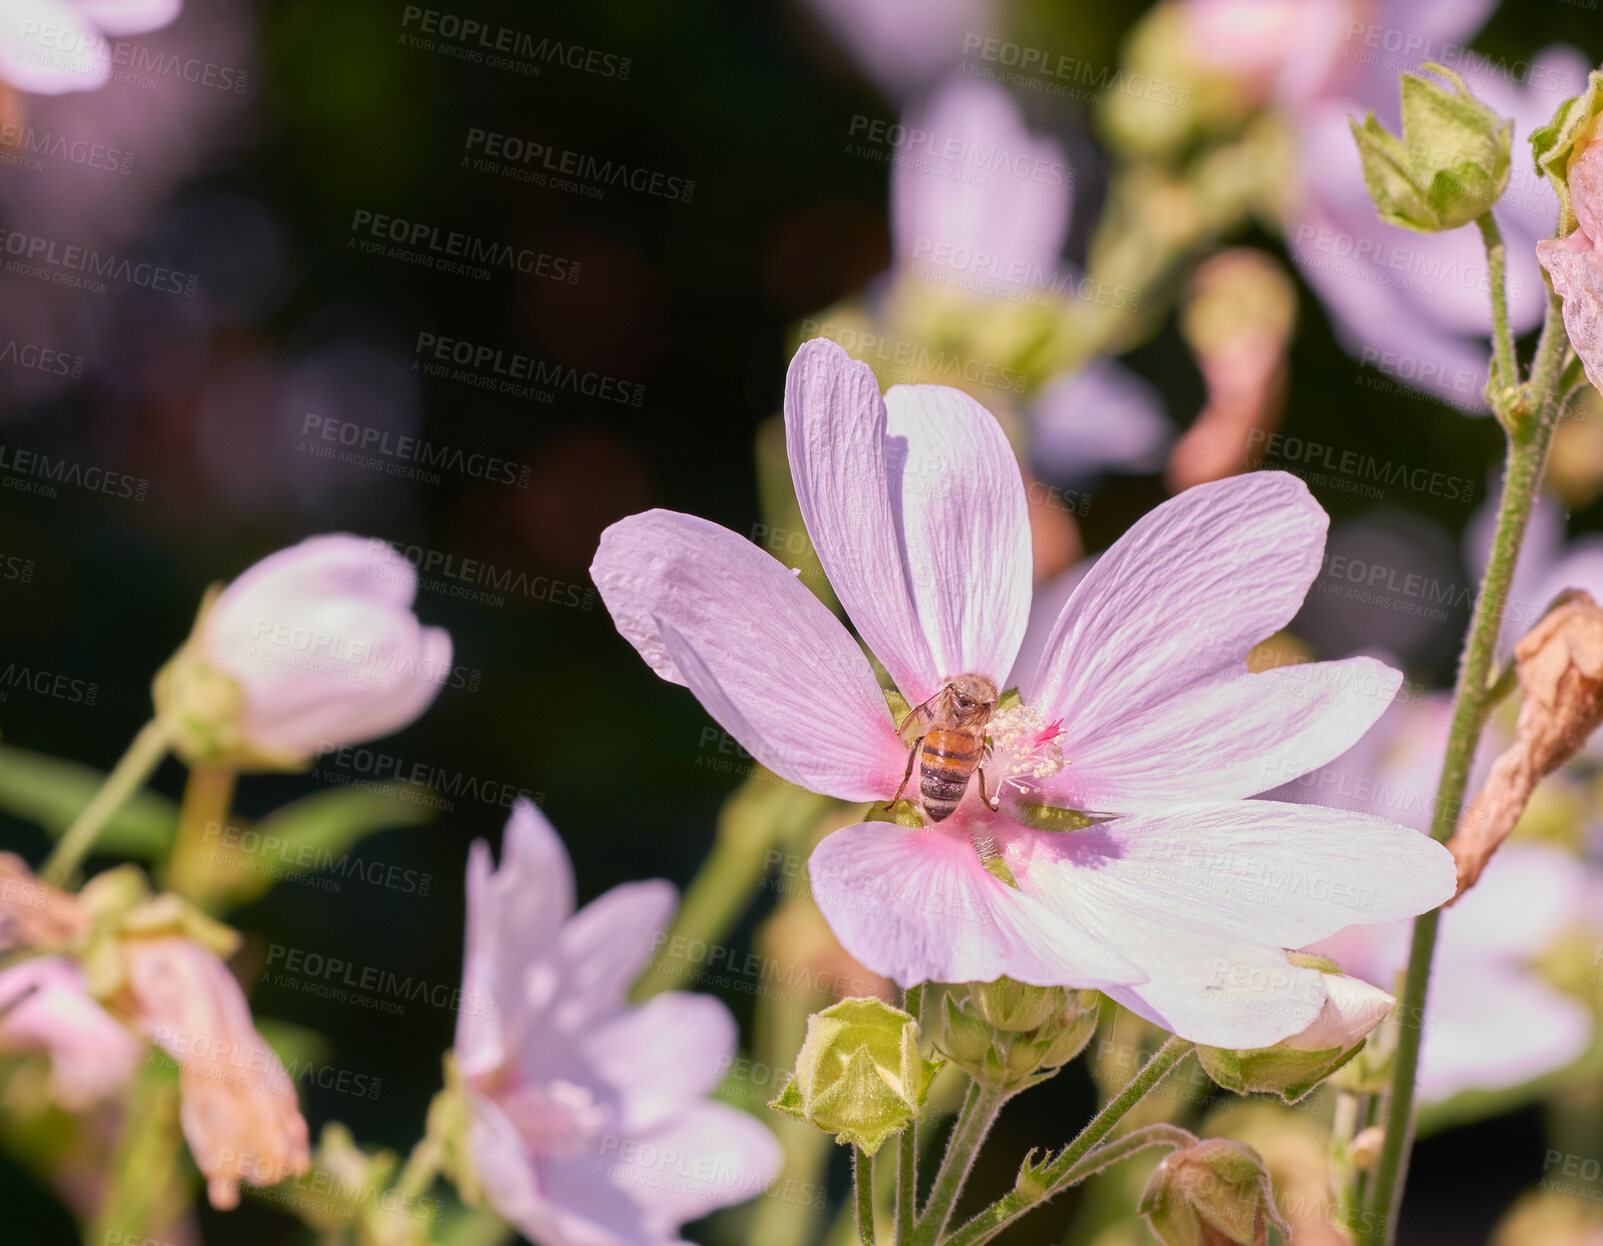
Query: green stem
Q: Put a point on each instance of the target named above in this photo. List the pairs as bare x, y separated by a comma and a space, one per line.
126, 778
863, 1176
1122, 1148
907, 1145
974, 1121
1072, 1164
1528, 440
208, 794
422, 1166
761, 815
1505, 368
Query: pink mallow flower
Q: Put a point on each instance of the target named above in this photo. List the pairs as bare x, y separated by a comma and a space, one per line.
591, 1124
1490, 1022
1180, 896
1575, 263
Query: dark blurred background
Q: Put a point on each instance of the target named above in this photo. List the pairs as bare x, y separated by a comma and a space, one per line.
206, 399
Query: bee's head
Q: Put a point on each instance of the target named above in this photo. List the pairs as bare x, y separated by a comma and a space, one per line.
972, 695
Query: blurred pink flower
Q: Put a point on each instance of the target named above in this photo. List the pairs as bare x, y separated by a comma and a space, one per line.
1490, 1023
591, 1124
1180, 906
904, 45
44, 1007
984, 214
237, 1105
1352, 1009
1416, 306
51, 46
323, 643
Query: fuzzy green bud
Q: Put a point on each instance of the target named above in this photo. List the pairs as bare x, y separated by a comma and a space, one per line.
1215, 1193
859, 1074
1451, 163
1009, 1035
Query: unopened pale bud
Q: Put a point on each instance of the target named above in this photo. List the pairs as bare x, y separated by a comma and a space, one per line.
1010, 1005
1294, 1066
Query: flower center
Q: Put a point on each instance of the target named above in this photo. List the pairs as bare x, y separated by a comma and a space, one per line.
558, 1118
1025, 746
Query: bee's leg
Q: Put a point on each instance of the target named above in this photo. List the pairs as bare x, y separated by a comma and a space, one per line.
912, 756
983, 797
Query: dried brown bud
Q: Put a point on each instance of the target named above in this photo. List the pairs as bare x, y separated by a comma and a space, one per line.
1560, 665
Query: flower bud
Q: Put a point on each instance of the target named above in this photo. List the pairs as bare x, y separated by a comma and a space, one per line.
1215, 1193
1451, 163
859, 1074
1009, 1005
985, 1036
1294, 1066
312, 648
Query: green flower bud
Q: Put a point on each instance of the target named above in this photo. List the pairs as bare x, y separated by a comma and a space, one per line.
859, 1074
1451, 163
1558, 144
1215, 1193
119, 905
1294, 1066
1010, 1005
986, 1037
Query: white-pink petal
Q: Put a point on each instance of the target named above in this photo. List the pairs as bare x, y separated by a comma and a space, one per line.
767, 659
1205, 899
920, 906
965, 527
849, 496
1147, 663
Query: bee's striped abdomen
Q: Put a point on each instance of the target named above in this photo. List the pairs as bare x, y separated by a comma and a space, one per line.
946, 761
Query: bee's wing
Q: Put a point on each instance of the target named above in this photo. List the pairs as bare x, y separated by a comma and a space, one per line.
918, 720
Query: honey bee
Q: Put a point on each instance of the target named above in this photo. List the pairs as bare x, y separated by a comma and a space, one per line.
952, 745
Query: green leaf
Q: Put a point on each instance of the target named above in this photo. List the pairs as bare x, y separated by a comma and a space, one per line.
51, 793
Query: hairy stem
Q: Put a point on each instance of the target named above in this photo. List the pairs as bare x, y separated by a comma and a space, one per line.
1505, 368
907, 1147
126, 778
1528, 440
974, 1121
1074, 1163
863, 1177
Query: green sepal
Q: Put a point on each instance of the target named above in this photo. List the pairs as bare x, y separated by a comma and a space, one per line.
1561, 139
